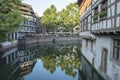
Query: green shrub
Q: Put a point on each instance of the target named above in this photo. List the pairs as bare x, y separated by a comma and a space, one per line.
103, 14
95, 17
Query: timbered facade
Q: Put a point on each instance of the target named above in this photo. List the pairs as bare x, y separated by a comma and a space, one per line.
30, 22
100, 32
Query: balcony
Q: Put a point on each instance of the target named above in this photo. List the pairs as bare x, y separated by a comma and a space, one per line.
103, 14
108, 21
110, 31
105, 25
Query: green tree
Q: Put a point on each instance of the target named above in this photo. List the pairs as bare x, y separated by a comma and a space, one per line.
49, 17
72, 19
10, 17
69, 17
61, 17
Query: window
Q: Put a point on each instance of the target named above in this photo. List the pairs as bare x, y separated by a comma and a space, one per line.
116, 50
104, 5
81, 25
103, 10
76, 28
96, 10
87, 24
91, 46
95, 16
25, 22
86, 43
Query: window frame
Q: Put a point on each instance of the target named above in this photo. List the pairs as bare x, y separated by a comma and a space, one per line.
95, 14
103, 10
113, 58
116, 48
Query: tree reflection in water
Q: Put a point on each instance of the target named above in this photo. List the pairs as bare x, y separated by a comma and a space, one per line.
64, 57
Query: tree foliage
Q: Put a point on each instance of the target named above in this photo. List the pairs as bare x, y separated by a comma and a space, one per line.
67, 18
49, 17
10, 17
62, 16
62, 57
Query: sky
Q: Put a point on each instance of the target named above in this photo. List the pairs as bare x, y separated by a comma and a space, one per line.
40, 6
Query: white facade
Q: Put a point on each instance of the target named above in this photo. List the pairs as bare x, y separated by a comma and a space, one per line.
28, 26
101, 37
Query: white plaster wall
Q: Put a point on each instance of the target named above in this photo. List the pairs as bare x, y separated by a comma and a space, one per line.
95, 26
100, 25
108, 12
87, 53
109, 24
112, 1
87, 33
111, 11
89, 18
89, 25
112, 24
92, 27
113, 70
104, 24
118, 22
118, 8
101, 42
99, 8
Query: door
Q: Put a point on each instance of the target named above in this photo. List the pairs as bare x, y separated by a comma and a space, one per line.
104, 60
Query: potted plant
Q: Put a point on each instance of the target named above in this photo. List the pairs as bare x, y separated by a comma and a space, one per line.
103, 14
95, 17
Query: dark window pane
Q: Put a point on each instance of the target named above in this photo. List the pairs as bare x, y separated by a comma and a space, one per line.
116, 48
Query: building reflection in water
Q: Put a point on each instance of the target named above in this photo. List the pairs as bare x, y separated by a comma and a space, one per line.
27, 58
87, 71
18, 62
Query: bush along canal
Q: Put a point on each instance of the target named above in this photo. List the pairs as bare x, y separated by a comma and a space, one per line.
46, 61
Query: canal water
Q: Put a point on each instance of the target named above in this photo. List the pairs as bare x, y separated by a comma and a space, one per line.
46, 61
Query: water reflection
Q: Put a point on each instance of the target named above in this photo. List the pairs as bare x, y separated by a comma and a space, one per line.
64, 57
17, 62
46, 62
27, 59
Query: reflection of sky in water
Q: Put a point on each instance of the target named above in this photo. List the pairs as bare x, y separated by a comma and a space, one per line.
39, 73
